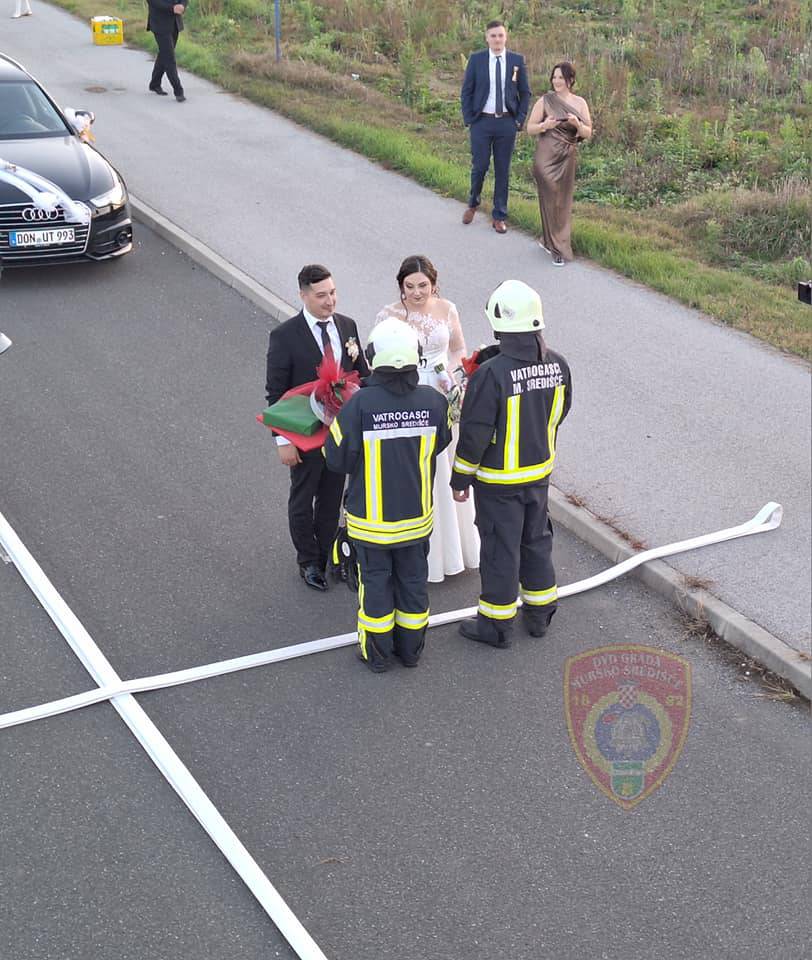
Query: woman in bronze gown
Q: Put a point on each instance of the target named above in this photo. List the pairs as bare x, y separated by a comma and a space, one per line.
561, 120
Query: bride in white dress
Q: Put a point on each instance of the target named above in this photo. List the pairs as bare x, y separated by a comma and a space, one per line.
454, 543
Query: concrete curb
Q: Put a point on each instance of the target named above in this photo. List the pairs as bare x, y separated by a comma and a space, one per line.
230, 274
731, 626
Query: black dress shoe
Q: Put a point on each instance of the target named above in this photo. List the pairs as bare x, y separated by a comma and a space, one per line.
160, 91
469, 628
180, 97
313, 576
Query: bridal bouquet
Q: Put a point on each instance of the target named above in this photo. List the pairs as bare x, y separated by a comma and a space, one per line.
468, 366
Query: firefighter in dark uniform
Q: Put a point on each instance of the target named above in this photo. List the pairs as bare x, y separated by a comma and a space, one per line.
387, 437
513, 406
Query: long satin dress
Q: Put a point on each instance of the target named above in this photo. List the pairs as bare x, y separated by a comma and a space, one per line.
554, 171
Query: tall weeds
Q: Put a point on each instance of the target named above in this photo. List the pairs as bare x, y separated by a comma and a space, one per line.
702, 106
696, 182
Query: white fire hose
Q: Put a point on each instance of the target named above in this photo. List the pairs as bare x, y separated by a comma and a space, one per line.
172, 767
768, 518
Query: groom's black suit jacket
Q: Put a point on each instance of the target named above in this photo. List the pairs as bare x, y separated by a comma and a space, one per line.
314, 501
293, 354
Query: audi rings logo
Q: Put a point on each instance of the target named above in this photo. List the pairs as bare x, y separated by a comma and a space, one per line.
32, 214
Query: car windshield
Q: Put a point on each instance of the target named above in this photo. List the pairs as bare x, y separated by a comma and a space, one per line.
26, 112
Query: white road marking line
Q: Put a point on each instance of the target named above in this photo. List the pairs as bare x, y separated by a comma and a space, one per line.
158, 750
768, 518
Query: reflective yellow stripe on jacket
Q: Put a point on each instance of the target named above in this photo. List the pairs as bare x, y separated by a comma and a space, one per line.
427, 444
372, 528
511, 458
463, 466
512, 472
384, 532
372, 479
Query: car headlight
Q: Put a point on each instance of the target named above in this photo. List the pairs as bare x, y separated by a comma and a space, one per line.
115, 197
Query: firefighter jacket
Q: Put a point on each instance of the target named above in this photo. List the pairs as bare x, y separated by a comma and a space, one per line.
510, 417
387, 440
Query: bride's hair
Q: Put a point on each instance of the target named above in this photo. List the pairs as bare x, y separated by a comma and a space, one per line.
417, 263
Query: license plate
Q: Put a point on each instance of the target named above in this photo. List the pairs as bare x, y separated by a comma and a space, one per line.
41, 238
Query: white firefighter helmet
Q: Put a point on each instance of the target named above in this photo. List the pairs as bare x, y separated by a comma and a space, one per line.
513, 307
393, 343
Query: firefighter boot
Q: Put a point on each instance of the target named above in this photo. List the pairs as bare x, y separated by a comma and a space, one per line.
537, 622
480, 630
375, 664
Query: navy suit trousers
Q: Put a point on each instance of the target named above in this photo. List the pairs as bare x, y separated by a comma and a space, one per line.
492, 135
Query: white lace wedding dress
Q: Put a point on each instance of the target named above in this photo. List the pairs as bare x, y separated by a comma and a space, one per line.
454, 543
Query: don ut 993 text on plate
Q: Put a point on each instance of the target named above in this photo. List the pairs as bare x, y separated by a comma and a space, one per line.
41, 238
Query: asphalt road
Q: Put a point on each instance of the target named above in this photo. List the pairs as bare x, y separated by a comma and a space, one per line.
437, 814
680, 426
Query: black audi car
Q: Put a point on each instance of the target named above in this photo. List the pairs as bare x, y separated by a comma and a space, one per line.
37, 136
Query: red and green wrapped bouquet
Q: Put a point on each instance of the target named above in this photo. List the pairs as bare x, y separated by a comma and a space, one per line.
304, 413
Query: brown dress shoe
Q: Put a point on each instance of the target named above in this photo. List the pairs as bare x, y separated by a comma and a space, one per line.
500, 226
468, 216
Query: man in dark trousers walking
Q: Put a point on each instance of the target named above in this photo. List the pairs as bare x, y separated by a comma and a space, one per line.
295, 349
514, 403
165, 20
495, 96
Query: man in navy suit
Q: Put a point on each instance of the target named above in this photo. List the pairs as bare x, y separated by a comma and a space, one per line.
295, 348
495, 96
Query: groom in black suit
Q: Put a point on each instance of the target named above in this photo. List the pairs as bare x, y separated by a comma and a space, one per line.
296, 347
495, 96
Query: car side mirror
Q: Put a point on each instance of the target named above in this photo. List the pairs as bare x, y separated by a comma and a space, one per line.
81, 121
5, 343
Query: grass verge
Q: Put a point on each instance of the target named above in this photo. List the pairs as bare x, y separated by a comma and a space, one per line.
637, 244
766, 684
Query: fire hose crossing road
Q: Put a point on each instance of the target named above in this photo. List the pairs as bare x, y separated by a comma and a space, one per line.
437, 812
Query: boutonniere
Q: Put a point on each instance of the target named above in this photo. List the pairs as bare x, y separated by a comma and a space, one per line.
351, 346
515, 73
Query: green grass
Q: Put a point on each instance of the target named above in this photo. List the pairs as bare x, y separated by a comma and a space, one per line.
678, 192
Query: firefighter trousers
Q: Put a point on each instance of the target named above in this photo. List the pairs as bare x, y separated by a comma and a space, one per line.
393, 601
515, 558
